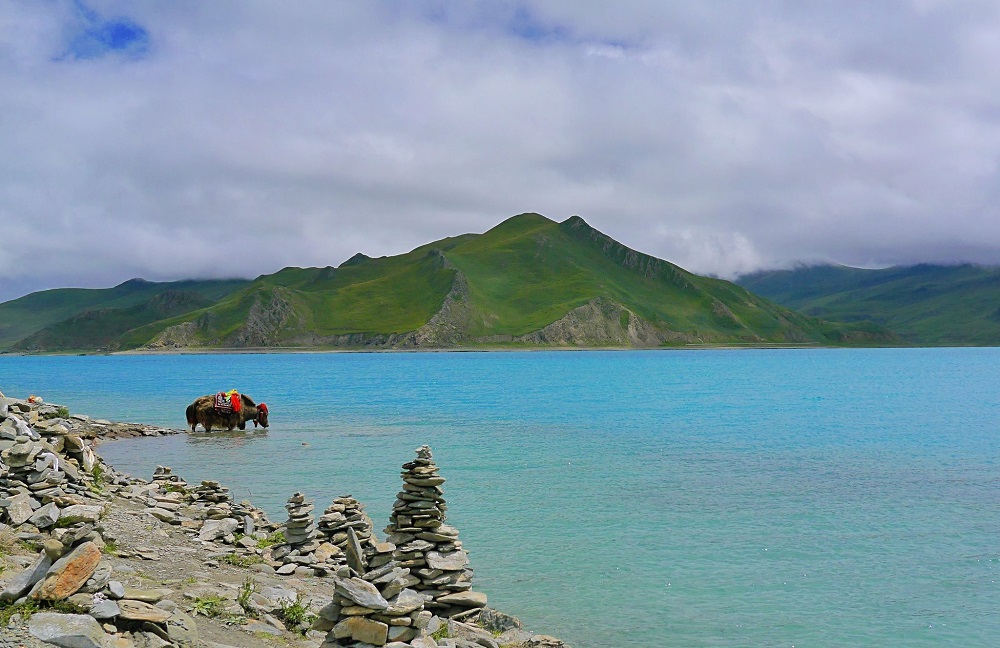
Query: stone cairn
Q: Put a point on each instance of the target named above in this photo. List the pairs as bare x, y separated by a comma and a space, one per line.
213, 499
374, 606
164, 477
346, 516
206, 510
47, 476
345, 512
360, 615
300, 532
47, 472
427, 546
301, 542
398, 590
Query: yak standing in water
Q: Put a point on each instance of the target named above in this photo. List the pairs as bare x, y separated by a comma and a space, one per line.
203, 410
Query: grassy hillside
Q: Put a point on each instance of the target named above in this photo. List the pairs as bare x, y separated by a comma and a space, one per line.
22, 317
364, 296
925, 304
529, 271
100, 328
529, 280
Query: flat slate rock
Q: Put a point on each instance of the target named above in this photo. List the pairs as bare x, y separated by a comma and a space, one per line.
453, 561
361, 592
83, 512
361, 629
139, 611
68, 630
464, 599
405, 602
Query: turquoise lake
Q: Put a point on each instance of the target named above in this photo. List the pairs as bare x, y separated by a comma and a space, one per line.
819, 497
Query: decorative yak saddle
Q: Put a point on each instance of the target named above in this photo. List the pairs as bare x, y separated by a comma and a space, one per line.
227, 402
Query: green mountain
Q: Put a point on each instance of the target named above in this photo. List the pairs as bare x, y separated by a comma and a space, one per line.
924, 304
30, 314
527, 282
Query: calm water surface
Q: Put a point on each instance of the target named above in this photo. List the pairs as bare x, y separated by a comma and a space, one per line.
628, 499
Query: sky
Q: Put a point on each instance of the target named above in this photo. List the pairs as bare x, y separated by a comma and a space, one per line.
189, 139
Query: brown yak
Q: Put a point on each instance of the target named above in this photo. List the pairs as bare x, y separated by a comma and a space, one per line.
203, 411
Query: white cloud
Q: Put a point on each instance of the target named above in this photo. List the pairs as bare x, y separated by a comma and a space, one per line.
243, 137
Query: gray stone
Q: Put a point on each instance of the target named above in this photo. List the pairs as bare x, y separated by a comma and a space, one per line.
116, 590
217, 528
354, 553
20, 584
72, 472
277, 595
417, 545
105, 610
362, 629
163, 515
83, 512
99, 579
150, 639
401, 633
397, 585
330, 611
453, 561
68, 630
253, 626
464, 599
405, 602
361, 592
19, 509
182, 630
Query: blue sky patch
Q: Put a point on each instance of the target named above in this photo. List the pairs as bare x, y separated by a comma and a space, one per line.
526, 25
94, 36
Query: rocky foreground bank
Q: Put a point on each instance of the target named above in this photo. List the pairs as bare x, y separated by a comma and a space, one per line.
94, 558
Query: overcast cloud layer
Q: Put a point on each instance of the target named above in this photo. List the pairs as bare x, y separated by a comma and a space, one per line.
177, 139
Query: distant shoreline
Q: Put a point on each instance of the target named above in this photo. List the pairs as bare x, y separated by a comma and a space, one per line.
324, 350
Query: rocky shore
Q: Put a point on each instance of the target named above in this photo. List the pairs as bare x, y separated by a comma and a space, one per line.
94, 558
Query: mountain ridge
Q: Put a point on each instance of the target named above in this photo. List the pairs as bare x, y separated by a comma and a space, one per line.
924, 303
528, 281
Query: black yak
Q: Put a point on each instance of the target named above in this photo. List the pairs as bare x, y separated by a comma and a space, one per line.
203, 410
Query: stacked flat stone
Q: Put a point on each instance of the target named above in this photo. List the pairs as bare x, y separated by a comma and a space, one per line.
300, 532
359, 615
426, 545
254, 519
345, 513
40, 482
297, 553
213, 500
38, 464
164, 477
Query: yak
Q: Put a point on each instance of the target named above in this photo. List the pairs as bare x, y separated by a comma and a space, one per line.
203, 411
